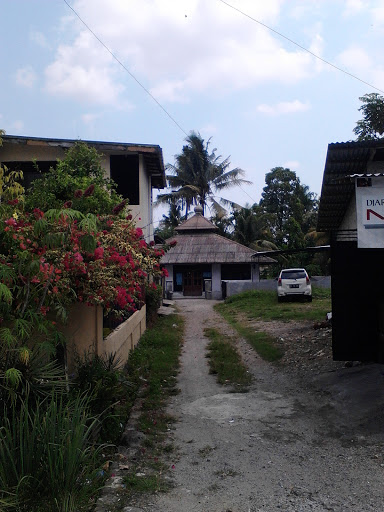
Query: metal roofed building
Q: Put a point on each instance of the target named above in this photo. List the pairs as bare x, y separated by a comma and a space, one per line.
202, 255
352, 210
136, 168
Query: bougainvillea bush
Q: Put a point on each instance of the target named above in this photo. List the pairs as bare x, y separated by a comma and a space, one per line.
51, 260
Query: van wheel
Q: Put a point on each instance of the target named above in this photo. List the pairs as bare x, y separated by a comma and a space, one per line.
280, 299
309, 299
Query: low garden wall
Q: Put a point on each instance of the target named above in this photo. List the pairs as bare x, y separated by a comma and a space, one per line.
234, 287
125, 337
84, 334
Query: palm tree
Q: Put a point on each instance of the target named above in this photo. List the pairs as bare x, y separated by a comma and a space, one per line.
198, 174
252, 225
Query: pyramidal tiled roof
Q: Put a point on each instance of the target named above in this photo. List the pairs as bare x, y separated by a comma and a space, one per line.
198, 243
196, 223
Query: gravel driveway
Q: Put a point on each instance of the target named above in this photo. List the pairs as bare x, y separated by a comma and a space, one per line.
296, 442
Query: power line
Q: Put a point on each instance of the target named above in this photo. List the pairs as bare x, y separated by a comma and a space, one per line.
125, 68
300, 46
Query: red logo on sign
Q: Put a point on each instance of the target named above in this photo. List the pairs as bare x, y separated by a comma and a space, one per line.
371, 212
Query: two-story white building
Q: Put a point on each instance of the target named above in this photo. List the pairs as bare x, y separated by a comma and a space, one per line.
136, 168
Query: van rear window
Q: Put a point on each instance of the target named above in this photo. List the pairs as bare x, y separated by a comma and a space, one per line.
293, 274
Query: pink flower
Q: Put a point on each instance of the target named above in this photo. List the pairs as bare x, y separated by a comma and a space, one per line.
38, 213
117, 209
139, 232
89, 191
78, 257
11, 222
99, 253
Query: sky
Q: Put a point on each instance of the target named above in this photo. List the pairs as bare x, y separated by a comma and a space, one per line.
202, 65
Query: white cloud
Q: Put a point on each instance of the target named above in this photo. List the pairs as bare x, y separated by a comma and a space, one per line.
84, 72
17, 126
39, 38
292, 164
26, 77
208, 130
284, 107
175, 48
357, 61
303, 8
378, 15
89, 119
353, 7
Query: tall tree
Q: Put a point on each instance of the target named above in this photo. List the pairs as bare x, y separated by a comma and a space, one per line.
252, 225
199, 174
371, 127
291, 204
167, 225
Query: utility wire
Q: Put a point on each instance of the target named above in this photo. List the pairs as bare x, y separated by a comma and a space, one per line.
126, 69
299, 45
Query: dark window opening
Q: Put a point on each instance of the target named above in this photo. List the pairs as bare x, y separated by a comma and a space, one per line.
31, 170
125, 173
237, 272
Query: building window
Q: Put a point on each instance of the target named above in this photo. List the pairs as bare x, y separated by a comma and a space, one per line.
125, 173
31, 170
237, 272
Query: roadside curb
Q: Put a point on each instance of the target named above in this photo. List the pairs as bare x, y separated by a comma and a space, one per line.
113, 491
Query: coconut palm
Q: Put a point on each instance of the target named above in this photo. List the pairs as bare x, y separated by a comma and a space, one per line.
198, 175
252, 224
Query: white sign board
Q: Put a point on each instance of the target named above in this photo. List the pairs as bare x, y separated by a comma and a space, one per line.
370, 213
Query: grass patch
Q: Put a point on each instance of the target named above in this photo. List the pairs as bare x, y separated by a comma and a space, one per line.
140, 483
225, 361
155, 363
204, 452
263, 343
263, 305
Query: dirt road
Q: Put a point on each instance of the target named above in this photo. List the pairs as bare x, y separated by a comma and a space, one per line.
293, 443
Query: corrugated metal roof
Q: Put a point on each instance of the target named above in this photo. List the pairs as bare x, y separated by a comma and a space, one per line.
344, 161
152, 154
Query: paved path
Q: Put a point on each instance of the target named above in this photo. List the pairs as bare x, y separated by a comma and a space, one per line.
276, 448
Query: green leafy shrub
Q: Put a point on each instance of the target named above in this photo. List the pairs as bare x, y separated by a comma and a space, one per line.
109, 390
153, 295
47, 454
80, 169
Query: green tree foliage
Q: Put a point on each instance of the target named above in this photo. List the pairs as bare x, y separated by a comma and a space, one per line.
371, 127
10, 186
223, 224
252, 225
199, 174
167, 225
293, 208
69, 184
